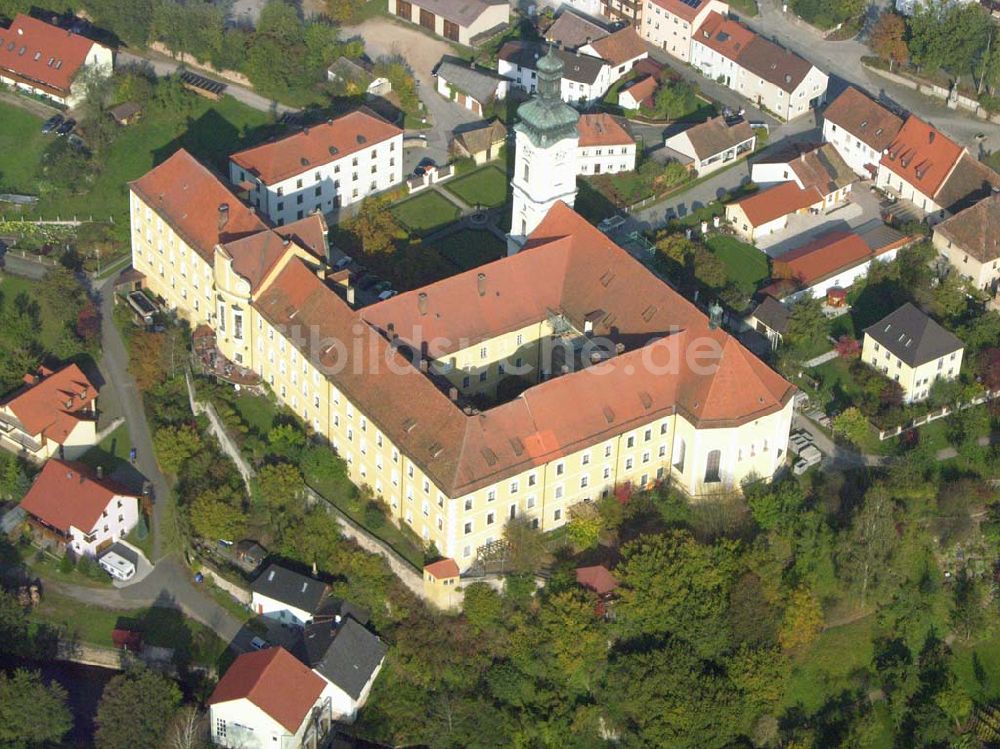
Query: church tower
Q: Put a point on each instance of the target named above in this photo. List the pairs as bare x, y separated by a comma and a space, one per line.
545, 146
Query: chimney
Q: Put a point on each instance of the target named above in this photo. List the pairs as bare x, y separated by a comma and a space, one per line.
481, 284
422, 302
423, 366
714, 315
930, 137
391, 329
100, 472
619, 349
223, 215
588, 40
453, 394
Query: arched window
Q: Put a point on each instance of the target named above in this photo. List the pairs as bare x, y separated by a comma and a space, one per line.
712, 467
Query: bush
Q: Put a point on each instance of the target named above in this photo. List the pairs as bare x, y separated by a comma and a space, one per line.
374, 515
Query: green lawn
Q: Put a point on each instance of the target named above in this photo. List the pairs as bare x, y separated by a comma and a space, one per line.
425, 213
486, 187
111, 452
21, 146
746, 264
828, 665
258, 412
469, 248
210, 130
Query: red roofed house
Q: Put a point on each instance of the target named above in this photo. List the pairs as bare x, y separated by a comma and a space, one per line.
54, 413
808, 166
441, 584
322, 168
605, 147
638, 94
767, 211
46, 60
70, 506
268, 698
670, 24
917, 163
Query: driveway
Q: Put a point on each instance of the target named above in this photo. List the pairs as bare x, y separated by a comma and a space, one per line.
421, 52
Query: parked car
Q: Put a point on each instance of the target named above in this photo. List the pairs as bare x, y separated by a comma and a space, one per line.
67, 127
419, 171
387, 294
426, 162
52, 123
258, 643
369, 282
342, 263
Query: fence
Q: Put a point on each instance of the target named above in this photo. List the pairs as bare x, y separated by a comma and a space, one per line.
919, 421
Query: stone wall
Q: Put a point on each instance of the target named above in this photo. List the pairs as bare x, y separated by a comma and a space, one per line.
192, 62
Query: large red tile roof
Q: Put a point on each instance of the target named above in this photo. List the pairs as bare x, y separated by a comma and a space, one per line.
52, 406
774, 202
254, 256
822, 257
570, 268
275, 681
922, 155
69, 494
864, 118
620, 47
603, 130
314, 146
189, 197
42, 53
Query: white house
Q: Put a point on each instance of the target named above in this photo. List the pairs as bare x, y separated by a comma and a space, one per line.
47, 61
268, 698
860, 129
468, 85
807, 165
322, 168
970, 240
670, 24
766, 211
769, 76
283, 594
605, 146
73, 508
638, 93
714, 143
348, 657
54, 413
585, 78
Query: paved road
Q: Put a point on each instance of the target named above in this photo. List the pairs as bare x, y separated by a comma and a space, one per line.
385, 37
164, 66
842, 61
114, 367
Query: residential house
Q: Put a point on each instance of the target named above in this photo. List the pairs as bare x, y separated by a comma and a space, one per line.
808, 165
767, 211
467, 22
268, 698
441, 579
347, 656
358, 75
53, 413
833, 260
48, 61
481, 143
671, 24
621, 50
770, 319
909, 347
573, 29
769, 76
860, 129
321, 168
585, 78
606, 146
714, 143
917, 163
288, 596
971, 241
471, 87
638, 93
453, 475
73, 508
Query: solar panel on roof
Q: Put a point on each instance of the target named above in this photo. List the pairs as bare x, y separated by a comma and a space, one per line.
691, 3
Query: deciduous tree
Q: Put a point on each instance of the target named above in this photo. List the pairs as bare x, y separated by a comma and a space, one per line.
135, 710
218, 514
888, 39
803, 619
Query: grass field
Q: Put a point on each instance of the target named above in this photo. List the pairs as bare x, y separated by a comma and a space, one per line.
486, 187
112, 452
209, 130
257, 411
426, 213
829, 664
746, 264
52, 325
21, 146
469, 248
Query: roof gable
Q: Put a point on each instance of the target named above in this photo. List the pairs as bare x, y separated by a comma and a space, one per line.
289, 587
44, 53
774, 202
865, 119
975, 230
52, 403
912, 336
922, 155
825, 255
69, 494
602, 130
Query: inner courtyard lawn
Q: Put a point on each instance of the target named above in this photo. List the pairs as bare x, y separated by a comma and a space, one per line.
425, 213
486, 187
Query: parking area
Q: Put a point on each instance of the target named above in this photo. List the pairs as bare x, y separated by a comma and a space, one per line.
862, 207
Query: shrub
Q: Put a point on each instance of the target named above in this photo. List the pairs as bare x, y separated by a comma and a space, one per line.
374, 515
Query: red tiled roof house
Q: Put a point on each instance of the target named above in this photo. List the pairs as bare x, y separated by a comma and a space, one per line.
269, 698
767, 211
54, 413
72, 508
45, 60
